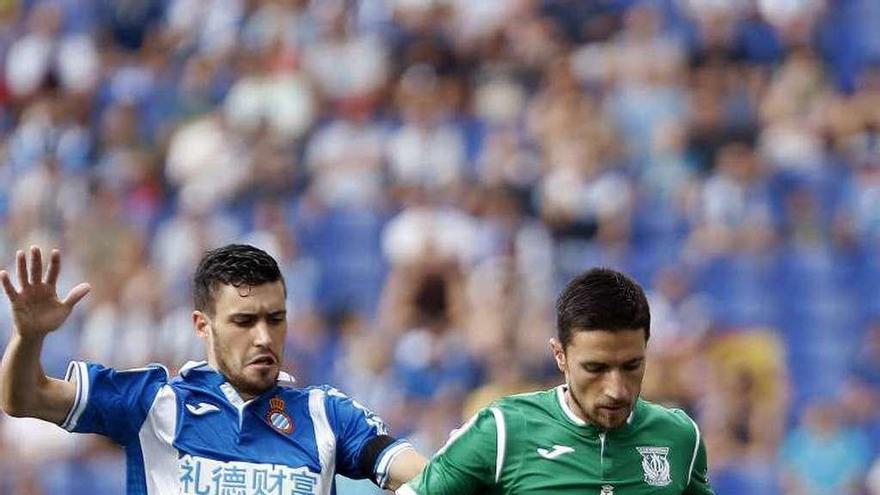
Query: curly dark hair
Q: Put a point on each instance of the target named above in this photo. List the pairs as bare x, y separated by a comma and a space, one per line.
235, 265
601, 299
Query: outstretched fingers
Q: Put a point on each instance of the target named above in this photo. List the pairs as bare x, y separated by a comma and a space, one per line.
8, 288
54, 267
21, 268
36, 265
76, 294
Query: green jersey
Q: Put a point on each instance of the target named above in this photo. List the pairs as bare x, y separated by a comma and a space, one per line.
535, 444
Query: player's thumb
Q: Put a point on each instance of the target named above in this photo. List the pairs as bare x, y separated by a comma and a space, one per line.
76, 294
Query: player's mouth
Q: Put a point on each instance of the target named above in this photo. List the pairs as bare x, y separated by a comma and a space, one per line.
263, 361
616, 408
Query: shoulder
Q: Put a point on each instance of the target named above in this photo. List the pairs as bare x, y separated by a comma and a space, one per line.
340, 407
156, 370
525, 403
327, 393
511, 415
95, 372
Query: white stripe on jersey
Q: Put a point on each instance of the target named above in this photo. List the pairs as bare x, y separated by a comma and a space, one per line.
457, 433
190, 365
501, 441
324, 438
157, 444
148, 367
405, 490
72, 373
696, 449
78, 370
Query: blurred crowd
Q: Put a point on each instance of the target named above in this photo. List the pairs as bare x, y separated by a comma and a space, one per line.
429, 173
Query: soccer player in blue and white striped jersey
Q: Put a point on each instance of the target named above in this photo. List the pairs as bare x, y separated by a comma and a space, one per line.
233, 424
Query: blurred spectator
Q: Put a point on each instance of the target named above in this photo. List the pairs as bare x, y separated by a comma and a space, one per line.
427, 150
50, 130
822, 455
263, 95
345, 159
430, 232
646, 94
788, 110
734, 208
209, 27
866, 365
206, 162
679, 324
346, 65
745, 404
431, 311
45, 50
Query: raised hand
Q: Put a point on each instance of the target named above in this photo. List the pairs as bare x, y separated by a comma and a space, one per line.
36, 309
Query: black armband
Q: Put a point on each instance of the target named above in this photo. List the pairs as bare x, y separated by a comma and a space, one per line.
370, 456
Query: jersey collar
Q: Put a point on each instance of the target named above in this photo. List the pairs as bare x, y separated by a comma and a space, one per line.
563, 404
285, 379
575, 419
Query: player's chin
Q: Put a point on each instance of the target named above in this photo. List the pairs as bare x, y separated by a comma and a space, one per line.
613, 418
261, 375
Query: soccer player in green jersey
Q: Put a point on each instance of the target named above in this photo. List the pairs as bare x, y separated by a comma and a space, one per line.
592, 435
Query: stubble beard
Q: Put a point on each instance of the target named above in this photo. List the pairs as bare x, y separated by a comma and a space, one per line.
593, 419
245, 386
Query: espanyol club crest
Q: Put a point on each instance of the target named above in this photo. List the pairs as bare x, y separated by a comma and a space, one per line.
655, 465
278, 418
607, 490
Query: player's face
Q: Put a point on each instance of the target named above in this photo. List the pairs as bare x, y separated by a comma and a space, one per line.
245, 337
604, 371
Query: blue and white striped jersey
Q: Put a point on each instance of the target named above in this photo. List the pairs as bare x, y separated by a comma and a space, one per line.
194, 435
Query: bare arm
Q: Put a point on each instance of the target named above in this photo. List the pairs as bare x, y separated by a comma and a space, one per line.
25, 390
405, 467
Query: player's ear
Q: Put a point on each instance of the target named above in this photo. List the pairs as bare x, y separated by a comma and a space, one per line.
201, 324
558, 354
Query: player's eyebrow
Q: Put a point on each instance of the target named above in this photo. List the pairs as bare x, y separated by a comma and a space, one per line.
594, 364
250, 314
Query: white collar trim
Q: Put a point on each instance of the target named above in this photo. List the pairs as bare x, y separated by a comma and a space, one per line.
560, 394
574, 418
284, 379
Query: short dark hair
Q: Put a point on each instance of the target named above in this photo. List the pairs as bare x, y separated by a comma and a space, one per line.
601, 299
235, 265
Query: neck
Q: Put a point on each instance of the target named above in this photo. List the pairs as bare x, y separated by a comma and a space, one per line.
245, 396
575, 405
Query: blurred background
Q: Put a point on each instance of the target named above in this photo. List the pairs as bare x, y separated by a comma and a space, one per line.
430, 173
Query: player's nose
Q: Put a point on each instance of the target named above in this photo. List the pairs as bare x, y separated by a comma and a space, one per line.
616, 388
262, 337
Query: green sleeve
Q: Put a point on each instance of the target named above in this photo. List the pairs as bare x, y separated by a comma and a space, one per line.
465, 465
699, 475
